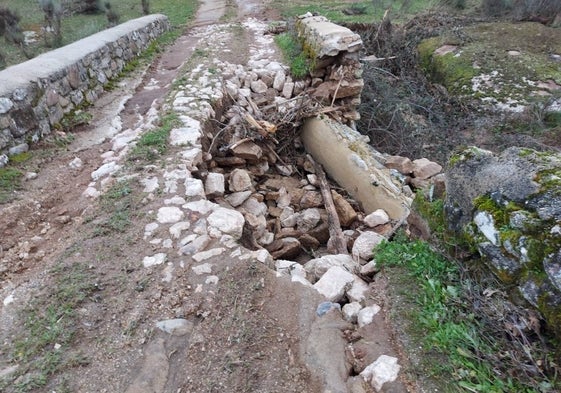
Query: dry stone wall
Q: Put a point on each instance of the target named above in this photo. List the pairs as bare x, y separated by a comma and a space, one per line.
35, 95
336, 70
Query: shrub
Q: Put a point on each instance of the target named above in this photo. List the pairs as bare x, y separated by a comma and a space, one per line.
112, 16
495, 7
145, 7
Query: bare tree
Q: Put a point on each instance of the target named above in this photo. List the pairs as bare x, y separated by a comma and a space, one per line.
145, 7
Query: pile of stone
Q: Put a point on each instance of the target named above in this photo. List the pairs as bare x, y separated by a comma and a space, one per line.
420, 174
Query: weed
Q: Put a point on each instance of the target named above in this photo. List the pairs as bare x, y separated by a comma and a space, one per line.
119, 202
9, 182
50, 326
293, 54
456, 335
154, 143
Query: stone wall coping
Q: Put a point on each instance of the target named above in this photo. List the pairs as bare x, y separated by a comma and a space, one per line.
49, 63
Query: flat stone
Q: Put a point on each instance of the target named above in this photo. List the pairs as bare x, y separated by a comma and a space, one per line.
317, 267
288, 90
366, 315
105, 170
176, 229
76, 163
205, 268
227, 221
311, 199
252, 205
424, 168
364, 244
204, 255
18, 149
195, 245
358, 291
347, 215
156, 259
377, 217
176, 327
239, 180
237, 198
5, 105
202, 206
175, 200
402, 164
288, 218
169, 215
189, 135
308, 219
259, 87
194, 187
214, 185
278, 82
289, 248
248, 151
369, 269
334, 283
384, 369
289, 268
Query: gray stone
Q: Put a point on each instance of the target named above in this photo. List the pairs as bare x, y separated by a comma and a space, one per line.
350, 311
105, 170
226, 221
278, 82
358, 291
289, 268
194, 187
3, 160
186, 136
204, 255
384, 369
259, 87
18, 149
317, 267
176, 327
5, 105
154, 260
196, 245
76, 163
377, 217
239, 180
424, 168
308, 219
237, 198
334, 283
364, 244
486, 225
288, 218
366, 315
201, 206
205, 268
214, 185
169, 215
369, 269
176, 229
252, 205
288, 89
552, 266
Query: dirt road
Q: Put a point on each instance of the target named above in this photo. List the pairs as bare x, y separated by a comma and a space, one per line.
118, 275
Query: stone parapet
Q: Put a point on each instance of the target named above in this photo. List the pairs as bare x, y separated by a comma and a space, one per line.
336, 70
35, 95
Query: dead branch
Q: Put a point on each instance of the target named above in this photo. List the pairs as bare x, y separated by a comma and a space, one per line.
335, 232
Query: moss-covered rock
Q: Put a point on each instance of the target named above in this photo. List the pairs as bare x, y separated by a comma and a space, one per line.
504, 64
508, 206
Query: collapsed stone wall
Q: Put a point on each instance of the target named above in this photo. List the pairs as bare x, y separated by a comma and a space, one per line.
35, 95
336, 72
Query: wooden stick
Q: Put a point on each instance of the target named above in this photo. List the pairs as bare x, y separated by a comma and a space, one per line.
335, 232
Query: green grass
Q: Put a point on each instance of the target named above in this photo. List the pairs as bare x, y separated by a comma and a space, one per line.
441, 320
154, 143
364, 11
120, 203
10, 179
293, 55
50, 323
78, 26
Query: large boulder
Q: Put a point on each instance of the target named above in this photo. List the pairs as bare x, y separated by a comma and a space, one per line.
509, 207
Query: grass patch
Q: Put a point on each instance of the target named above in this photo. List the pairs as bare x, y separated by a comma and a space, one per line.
120, 204
457, 341
154, 143
50, 323
77, 26
10, 179
293, 55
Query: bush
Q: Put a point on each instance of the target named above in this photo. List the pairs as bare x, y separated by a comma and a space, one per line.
495, 7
